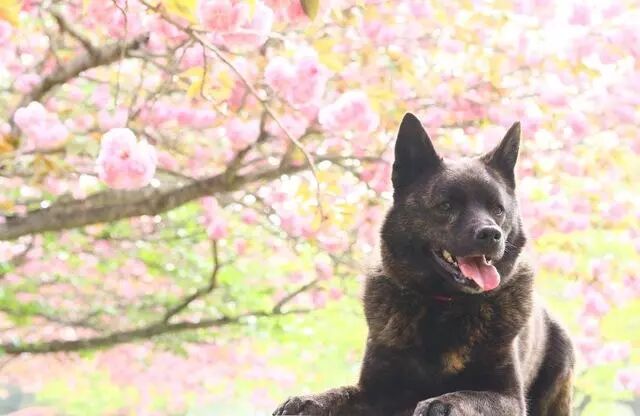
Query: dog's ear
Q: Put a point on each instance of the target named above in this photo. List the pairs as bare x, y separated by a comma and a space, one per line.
504, 156
414, 153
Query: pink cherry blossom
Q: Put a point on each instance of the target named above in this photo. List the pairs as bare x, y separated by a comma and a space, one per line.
278, 4
310, 79
25, 83
6, 30
217, 229
379, 32
195, 117
323, 269
240, 246
190, 57
249, 216
164, 34
629, 379
5, 128
295, 13
100, 96
167, 161
111, 15
377, 176
351, 111
43, 130
333, 241
214, 220
292, 12
581, 15
553, 94
124, 162
242, 133
595, 303
295, 126
279, 73
252, 31
300, 82
221, 15
108, 120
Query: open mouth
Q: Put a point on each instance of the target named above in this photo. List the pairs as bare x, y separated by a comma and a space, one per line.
477, 272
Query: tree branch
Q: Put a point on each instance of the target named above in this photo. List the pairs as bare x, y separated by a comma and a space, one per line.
115, 205
161, 327
203, 290
76, 33
146, 332
286, 299
95, 57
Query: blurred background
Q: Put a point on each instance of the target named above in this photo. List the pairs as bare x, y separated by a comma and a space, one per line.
191, 191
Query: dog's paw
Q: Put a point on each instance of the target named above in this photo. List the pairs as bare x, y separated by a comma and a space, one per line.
433, 407
302, 405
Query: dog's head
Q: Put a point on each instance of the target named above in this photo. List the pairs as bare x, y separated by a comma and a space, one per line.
454, 225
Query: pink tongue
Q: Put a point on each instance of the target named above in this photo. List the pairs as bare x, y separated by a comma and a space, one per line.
485, 275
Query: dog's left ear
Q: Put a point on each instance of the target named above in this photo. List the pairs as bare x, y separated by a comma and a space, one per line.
504, 156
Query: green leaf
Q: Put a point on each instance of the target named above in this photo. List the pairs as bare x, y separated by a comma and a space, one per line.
607, 408
310, 8
616, 325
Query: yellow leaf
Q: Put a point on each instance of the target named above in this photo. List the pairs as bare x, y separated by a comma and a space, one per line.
195, 87
5, 145
6, 205
457, 86
326, 55
310, 8
325, 45
378, 95
10, 10
252, 8
182, 8
371, 13
226, 80
333, 62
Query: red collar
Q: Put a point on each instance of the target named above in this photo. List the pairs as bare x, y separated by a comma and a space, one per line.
442, 298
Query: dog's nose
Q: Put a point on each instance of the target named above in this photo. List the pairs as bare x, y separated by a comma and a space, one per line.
489, 235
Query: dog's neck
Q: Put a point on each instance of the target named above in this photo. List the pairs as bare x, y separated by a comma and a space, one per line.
521, 271
436, 298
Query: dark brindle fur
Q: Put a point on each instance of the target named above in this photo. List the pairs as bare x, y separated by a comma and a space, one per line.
438, 346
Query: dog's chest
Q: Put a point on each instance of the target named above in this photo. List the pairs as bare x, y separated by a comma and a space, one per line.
450, 340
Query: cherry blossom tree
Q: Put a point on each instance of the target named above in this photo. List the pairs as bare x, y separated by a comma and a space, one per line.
190, 190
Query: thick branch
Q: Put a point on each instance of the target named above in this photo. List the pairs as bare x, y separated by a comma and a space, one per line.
116, 205
131, 335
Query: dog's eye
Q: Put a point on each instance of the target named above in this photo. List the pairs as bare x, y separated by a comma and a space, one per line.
444, 207
499, 209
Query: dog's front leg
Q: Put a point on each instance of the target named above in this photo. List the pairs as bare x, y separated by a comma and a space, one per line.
472, 403
341, 401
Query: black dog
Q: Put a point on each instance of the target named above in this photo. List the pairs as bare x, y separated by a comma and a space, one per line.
454, 328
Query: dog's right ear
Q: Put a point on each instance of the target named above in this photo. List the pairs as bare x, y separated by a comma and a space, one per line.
414, 153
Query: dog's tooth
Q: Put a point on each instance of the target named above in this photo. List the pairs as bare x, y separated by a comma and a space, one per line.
447, 256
